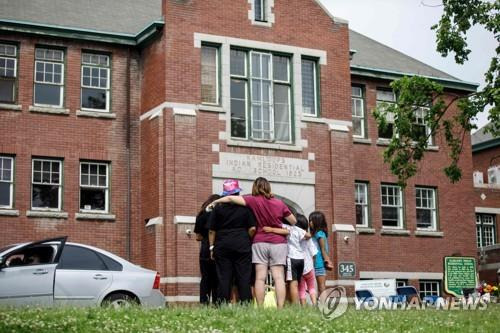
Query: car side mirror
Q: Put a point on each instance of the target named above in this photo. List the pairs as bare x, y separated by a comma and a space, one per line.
2, 263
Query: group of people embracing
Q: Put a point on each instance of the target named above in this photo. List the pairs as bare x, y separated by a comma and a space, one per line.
244, 236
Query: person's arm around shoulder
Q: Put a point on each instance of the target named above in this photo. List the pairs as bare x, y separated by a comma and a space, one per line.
234, 199
278, 231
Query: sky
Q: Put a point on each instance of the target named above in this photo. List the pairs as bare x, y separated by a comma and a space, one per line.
405, 25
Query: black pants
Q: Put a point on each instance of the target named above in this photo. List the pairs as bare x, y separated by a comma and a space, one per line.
233, 266
208, 283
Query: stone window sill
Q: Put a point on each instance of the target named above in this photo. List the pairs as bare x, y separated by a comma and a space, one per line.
47, 214
395, 232
95, 114
426, 233
362, 140
10, 107
313, 119
383, 142
256, 144
365, 230
50, 110
9, 212
95, 216
211, 108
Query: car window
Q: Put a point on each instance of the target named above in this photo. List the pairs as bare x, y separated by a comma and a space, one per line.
39, 254
80, 258
110, 263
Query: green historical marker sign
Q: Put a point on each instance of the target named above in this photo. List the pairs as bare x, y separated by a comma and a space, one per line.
459, 273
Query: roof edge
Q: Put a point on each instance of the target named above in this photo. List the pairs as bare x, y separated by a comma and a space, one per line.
393, 75
334, 18
82, 34
486, 145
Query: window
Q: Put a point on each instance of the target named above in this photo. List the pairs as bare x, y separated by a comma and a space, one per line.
358, 112
420, 128
361, 201
309, 88
95, 82
426, 208
8, 73
260, 10
485, 230
94, 187
49, 77
260, 100
392, 206
384, 99
6, 181
401, 283
79, 258
209, 75
46, 184
429, 288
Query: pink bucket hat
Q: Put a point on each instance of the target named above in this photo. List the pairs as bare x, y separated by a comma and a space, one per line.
230, 186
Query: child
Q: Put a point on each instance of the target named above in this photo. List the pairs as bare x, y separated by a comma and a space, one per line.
295, 258
308, 278
319, 230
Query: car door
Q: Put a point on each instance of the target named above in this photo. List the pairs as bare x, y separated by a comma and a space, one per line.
27, 273
81, 277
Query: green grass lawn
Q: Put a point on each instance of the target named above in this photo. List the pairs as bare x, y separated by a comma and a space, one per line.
241, 319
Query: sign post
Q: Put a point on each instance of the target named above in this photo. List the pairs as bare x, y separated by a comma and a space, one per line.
459, 273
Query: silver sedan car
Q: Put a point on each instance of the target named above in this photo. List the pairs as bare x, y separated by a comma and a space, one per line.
52, 272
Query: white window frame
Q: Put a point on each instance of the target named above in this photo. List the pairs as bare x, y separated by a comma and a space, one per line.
271, 95
430, 288
6, 56
364, 203
389, 116
316, 90
217, 73
91, 66
432, 209
105, 188
10, 181
361, 98
420, 114
483, 223
59, 199
60, 85
248, 78
398, 206
245, 78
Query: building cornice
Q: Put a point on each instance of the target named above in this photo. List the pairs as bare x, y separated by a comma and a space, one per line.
393, 75
486, 145
83, 34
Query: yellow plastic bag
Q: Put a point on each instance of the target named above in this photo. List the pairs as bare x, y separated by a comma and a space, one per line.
270, 299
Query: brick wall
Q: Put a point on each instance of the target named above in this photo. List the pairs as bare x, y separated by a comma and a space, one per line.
72, 138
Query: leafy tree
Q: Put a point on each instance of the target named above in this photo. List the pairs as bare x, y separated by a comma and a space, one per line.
417, 94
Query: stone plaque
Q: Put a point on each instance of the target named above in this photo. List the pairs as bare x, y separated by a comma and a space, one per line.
275, 169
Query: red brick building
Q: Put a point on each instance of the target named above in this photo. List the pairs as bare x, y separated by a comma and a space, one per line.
486, 165
117, 124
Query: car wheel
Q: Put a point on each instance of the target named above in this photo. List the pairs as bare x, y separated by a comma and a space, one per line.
119, 301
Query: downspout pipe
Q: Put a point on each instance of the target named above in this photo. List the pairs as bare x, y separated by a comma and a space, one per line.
128, 226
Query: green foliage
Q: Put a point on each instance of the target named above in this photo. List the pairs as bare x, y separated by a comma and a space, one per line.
243, 319
408, 146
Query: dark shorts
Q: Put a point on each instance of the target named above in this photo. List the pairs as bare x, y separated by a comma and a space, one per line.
294, 269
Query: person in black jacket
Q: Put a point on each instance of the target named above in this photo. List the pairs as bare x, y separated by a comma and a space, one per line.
208, 283
231, 230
